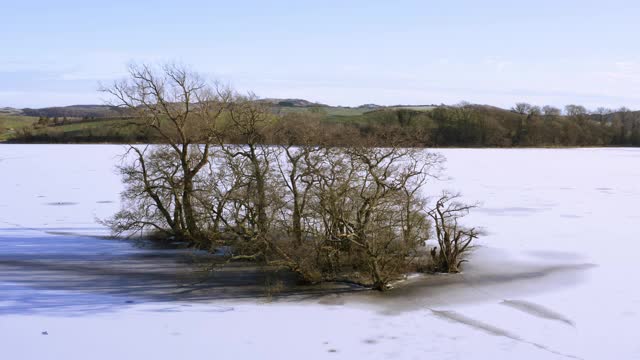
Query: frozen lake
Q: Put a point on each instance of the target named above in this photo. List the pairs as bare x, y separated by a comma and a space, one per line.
553, 278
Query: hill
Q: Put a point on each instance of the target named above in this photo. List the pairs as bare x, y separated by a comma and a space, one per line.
75, 111
292, 103
462, 125
10, 111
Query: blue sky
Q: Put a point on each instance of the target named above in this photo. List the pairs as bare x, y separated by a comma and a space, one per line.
336, 52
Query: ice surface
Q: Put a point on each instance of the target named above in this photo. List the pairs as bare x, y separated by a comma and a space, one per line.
553, 278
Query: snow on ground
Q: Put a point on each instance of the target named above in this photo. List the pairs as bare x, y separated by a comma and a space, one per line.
553, 279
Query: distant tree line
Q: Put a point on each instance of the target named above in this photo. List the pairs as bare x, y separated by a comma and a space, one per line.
484, 126
464, 125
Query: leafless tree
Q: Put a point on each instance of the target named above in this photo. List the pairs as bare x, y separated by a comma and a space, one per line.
575, 110
364, 195
296, 165
249, 126
551, 111
454, 240
352, 213
534, 110
182, 109
521, 108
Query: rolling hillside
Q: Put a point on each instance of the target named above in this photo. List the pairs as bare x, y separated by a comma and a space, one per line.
418, 125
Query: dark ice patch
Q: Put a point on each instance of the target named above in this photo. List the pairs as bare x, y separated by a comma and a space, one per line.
456, 317
61, 203
537, 311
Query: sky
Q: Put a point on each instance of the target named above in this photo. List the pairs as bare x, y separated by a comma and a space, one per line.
55, 53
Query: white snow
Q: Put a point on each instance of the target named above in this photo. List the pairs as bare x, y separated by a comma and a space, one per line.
554, 277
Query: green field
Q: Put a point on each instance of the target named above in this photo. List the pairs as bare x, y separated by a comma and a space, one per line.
343, 111
101, 130
326, 110
416, 108
11, 124
110, 129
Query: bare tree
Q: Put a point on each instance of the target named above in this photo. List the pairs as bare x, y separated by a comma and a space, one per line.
575, 110
454, 239
367, 202
602, 113
248, 127
351, 213
551, 111
182, 109
297, 164
534, 110
521, 108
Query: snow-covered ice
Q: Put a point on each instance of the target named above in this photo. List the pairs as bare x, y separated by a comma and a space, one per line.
553, 278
